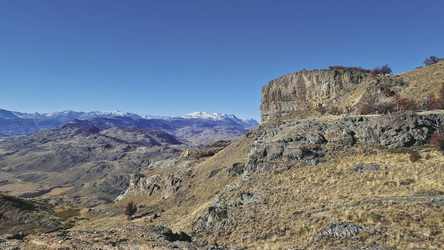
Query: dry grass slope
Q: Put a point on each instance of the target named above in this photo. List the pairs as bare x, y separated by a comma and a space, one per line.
422, 81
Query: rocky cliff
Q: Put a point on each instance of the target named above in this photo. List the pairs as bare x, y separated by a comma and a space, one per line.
344, 88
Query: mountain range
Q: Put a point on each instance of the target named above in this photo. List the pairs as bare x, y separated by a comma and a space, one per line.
185, 127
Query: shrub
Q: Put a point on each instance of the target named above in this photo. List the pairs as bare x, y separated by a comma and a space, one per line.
406, 104
387, 91
437, 141
368, 108
340, 67
384, 70
431, 60
414, 156
428, 101
386, 107
130, 209
369, 103
376, 71
439, 101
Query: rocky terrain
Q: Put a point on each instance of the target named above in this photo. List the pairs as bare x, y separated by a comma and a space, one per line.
345, 88
20, 217
95, 162
291, 184
303, 179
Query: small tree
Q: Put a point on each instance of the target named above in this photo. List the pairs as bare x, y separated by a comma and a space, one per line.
130, 209
431, 60
385, 70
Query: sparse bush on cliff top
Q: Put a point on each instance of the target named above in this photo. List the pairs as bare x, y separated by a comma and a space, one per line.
340, 67
384, 70
431, 60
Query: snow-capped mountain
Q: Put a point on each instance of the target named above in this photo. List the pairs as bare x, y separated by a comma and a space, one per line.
16, 123
244, 122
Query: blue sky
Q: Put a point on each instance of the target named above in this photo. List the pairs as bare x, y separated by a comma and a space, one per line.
174, 57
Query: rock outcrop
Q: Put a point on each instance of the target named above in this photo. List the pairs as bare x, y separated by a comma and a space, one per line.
19, 217
303, 89
134, 237
311, 138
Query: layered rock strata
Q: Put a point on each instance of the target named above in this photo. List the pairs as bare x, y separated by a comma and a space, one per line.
314, 88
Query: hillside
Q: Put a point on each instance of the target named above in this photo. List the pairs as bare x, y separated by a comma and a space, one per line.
93, 164
265, 189
302, 179
424, 80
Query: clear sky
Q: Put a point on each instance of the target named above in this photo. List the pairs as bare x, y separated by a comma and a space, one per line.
173, 57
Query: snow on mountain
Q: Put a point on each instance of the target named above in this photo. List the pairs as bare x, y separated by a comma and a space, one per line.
69, 115
16, 123
244, 122
205, 115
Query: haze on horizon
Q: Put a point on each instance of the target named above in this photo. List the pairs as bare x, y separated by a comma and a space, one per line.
176, 57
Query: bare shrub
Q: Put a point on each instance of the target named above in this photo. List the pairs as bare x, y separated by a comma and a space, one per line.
437, 141
130, 209
431, 60
385, 70
415, 156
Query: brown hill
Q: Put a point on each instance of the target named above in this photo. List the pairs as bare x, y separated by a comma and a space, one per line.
95, 163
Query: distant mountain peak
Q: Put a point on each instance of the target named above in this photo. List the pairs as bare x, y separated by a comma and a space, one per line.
205, 115
244, 122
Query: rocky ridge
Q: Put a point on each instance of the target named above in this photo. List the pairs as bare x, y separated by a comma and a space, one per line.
346, 88
310, 140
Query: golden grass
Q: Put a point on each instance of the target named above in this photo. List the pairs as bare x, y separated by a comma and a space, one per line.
184, 208
301, 201
423, 81
284, 218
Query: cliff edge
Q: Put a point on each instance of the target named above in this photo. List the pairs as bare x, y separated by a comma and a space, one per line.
345, 88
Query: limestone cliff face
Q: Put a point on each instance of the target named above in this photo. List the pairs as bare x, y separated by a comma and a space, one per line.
313, 88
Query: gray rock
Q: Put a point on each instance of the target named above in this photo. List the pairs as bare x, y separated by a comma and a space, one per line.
364, 167
340, 229
236, 169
